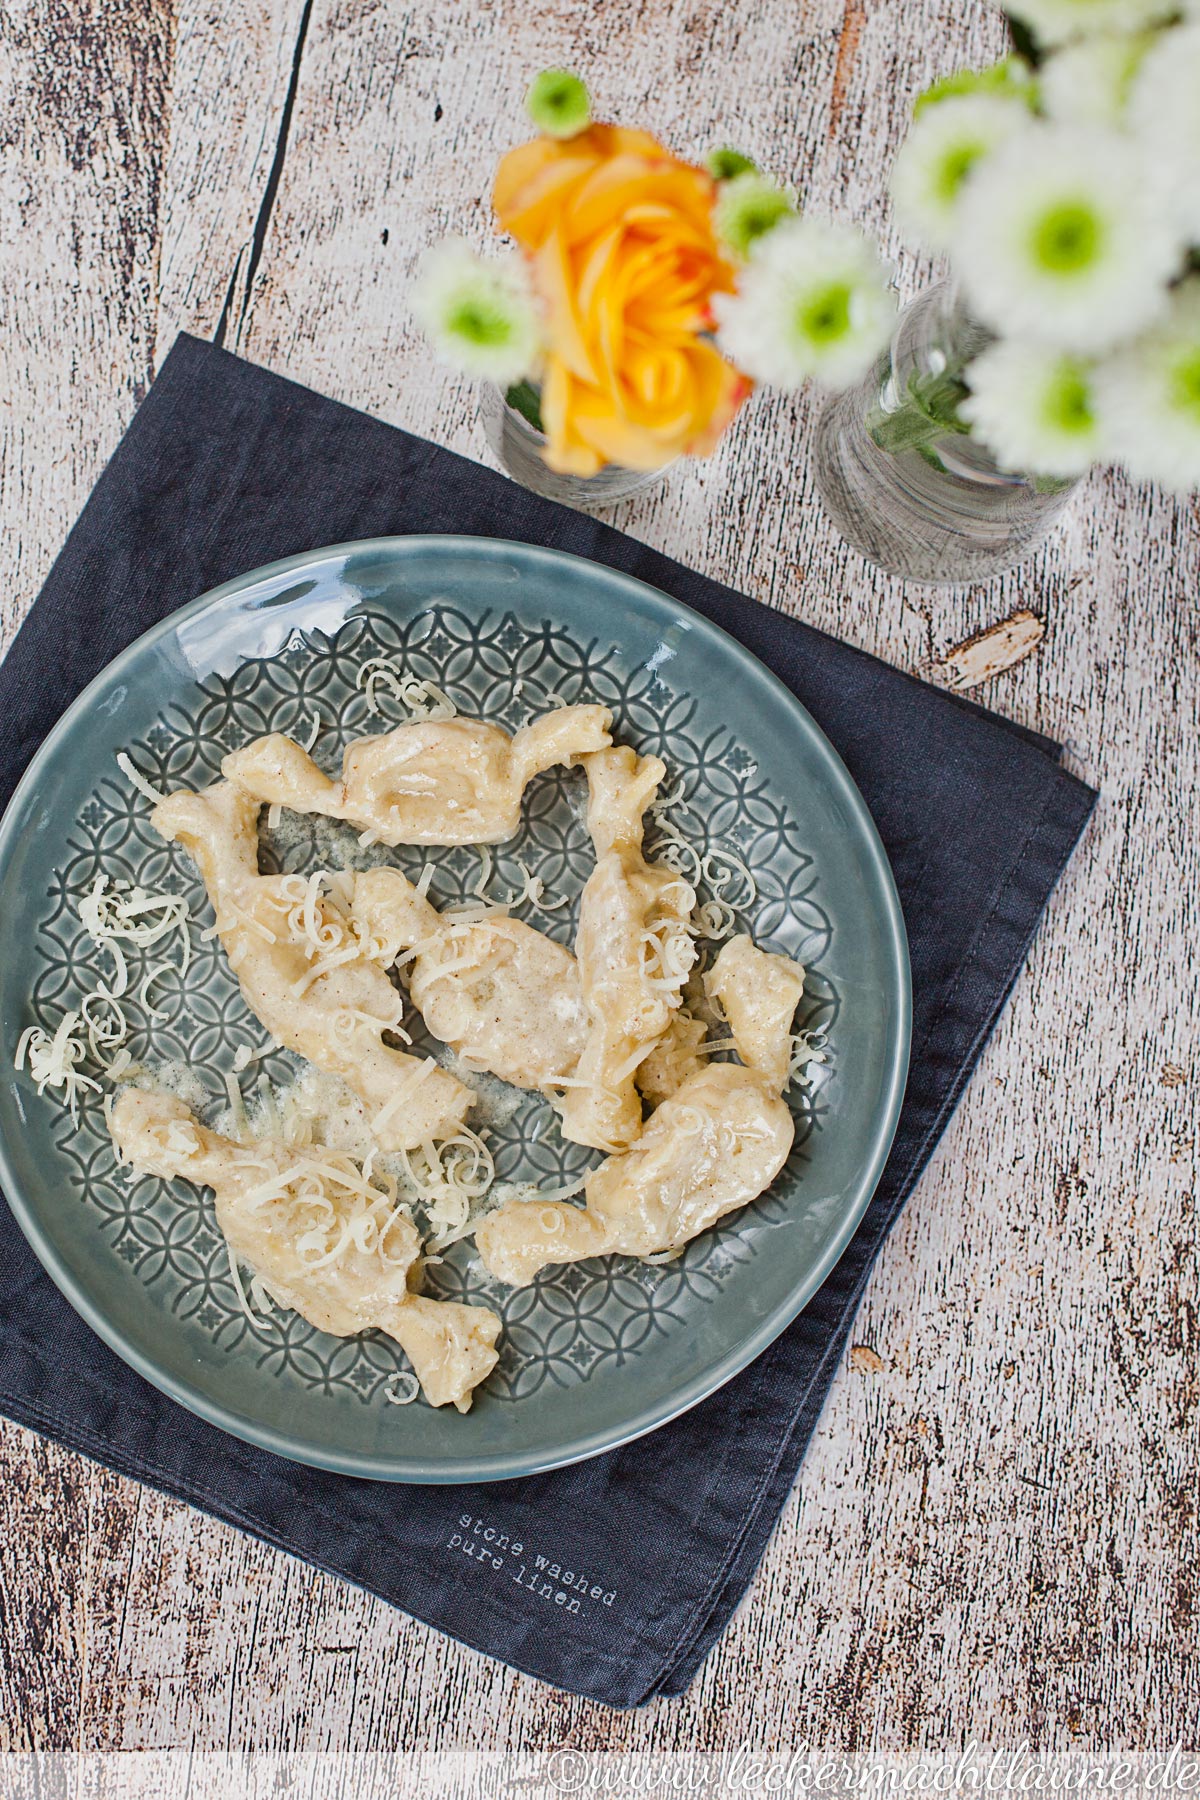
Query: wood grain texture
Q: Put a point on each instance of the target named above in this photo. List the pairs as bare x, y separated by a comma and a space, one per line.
83, 95
994, 1536
235, 67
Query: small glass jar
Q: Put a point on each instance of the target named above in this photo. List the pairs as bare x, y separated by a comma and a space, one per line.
518, 446
914, 493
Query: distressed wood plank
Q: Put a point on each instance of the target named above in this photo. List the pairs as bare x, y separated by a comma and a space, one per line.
994, 1535
83, 98
234, 70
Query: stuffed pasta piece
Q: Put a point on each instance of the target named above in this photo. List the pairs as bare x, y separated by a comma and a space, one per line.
499, 992
634, 951
443, 781
305, 973
326, 1242
716, 1143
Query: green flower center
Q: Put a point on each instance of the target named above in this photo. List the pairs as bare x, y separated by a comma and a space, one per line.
558, 103
761, 214
724, 164
1067, 401
1185, 384
478, 323
749, 207
824, 317
1068, 238
953, 170
558, 99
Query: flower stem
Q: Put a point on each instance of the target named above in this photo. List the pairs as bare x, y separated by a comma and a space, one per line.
930, 411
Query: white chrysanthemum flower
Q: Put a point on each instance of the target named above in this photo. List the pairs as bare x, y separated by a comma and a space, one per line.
945, 143
813, 301
1033, 408
1058, 21
479, 312
1064, 235
1164, 112
1148, 397
1089, 83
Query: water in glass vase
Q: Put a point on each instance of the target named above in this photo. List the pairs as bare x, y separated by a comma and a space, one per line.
904, 483
517, 443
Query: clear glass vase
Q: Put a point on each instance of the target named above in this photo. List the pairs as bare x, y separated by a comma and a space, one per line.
518, 445
906, 486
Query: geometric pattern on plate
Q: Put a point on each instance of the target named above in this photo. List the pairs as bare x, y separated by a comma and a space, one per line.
571, 1320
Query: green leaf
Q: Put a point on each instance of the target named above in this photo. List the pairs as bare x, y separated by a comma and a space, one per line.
905, 429
939, 398
1024, 42
930, 412
524, 398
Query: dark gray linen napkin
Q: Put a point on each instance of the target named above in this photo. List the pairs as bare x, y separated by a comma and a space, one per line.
226, 467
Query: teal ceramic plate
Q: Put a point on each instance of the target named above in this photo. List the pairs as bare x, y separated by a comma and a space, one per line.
592, 1355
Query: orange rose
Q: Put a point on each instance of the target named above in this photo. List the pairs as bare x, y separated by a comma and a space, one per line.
619, 234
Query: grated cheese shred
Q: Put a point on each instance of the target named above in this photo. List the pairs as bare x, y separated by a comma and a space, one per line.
807, 1052
422, 699
139, 918
533, 890
135, 777
235, 1275
389, 1110
450, 1178
53, 1059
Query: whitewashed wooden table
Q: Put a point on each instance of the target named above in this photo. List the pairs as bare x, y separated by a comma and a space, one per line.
994, 1536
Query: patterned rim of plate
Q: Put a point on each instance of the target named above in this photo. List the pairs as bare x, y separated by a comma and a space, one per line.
458, 1470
